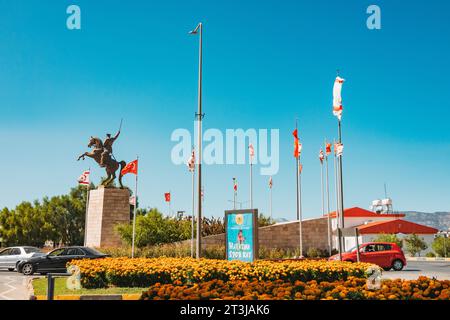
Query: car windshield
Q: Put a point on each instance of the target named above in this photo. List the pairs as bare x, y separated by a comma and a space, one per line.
351, 249
93, 251
31, 249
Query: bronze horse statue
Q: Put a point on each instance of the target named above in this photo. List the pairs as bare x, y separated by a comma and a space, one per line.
110, 164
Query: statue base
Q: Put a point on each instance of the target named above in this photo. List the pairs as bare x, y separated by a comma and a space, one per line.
106, 208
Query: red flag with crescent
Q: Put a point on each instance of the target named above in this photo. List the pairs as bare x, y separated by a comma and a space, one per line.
132, 167
297, 144
327, 148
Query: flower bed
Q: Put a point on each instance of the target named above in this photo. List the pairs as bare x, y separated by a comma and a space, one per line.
141, 272
350, 289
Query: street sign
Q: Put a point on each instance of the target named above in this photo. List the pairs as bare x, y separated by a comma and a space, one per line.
241, 234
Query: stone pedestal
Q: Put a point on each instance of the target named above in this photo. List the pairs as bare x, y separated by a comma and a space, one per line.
107, 207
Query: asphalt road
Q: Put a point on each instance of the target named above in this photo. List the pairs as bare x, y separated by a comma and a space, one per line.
13, 285
415, 269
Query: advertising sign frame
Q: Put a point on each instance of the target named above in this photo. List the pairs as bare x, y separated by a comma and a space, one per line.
254, 233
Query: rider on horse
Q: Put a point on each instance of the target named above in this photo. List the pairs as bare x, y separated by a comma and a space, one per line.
107, 148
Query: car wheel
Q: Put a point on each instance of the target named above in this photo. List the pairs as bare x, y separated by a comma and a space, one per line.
397, 265
387, 268
10, 269
27, 269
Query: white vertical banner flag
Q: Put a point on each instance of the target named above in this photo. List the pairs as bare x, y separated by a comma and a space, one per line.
191, 161
339, 149
84, 178
337, 98
251, 151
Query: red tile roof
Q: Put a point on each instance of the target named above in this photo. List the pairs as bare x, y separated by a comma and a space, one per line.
395, 226
359, 212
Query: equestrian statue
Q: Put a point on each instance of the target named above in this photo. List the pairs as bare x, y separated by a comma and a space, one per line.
102, 153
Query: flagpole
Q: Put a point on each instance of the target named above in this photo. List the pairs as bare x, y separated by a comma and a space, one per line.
199, 30
270, 199
134, 211
341, 187
251, 184
87, 208
330, 244
321, 187
300, 209
297, 176
336, 186
193, 211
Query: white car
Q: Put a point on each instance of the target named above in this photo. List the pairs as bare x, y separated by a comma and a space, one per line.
10, 257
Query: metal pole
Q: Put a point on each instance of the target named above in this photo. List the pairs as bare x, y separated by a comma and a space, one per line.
357, 245
87, 211
134, 213
251, 184
341, 187
300, 209
321, 188
270, 203
193, 212
338, 236
296, 163
200, 115
330, 244
50, 287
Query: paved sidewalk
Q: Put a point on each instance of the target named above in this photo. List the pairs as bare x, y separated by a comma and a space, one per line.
13, 286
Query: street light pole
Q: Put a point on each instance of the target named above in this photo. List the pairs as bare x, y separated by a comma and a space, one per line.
199, 30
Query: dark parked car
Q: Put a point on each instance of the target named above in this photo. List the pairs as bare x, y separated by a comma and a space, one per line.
56, 260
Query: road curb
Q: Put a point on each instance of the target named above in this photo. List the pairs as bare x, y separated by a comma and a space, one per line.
426, 259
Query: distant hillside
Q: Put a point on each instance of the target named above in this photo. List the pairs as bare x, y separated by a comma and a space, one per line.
438, 220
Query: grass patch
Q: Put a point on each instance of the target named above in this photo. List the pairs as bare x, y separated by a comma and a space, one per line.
40, 288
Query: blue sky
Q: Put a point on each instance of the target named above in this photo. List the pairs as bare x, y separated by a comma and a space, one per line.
265, 63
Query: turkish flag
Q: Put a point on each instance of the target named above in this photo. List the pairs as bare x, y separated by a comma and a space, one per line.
132, 167
297, 144
167, 196
328, 148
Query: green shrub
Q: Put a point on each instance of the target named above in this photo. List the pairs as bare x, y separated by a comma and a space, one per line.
441, 246
430, 255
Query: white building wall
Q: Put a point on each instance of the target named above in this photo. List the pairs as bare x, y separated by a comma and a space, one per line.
352, 222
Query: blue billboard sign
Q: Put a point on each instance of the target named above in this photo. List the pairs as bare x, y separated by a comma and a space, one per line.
241, 235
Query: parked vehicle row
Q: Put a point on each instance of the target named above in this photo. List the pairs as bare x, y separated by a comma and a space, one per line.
30, 260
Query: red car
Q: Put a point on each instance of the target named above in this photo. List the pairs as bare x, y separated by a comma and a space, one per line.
385, 254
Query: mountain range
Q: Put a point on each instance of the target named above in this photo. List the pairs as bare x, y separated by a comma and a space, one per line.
438, 220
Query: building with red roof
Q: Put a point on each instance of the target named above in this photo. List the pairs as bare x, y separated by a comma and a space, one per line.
371, 224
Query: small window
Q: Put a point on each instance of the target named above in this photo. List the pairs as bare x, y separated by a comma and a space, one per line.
15, 252
73, 252
383, 247
31, 250
5, 252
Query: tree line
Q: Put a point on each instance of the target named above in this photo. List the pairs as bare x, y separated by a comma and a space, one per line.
59, 219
